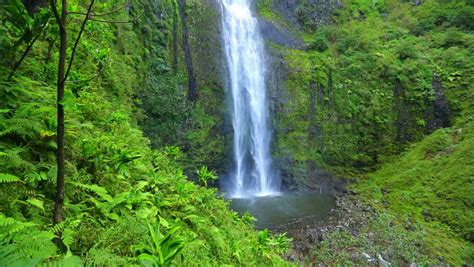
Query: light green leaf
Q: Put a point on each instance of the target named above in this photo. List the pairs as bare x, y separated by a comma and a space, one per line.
164, 222
8, 178
36, 202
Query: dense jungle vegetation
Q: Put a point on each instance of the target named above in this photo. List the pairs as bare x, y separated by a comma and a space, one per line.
125, 204
380, 92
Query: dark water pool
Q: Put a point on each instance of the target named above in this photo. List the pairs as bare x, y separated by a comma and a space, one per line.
271, 211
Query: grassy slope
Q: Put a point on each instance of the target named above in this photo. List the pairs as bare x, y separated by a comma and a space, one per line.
432, 183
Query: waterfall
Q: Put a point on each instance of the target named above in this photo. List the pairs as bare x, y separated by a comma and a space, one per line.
244, 51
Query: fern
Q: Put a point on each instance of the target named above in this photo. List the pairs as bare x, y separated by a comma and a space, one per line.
100, 191
59, 227
34, 248
6, 221
28, 252
67, 229
8, 178
23, 244
38, 203
24, 127
33, 177
9, 257
11, 158
9, 227
104, 257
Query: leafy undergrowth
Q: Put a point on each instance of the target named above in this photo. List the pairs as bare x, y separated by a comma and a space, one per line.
432, 184
114, 184
125, 204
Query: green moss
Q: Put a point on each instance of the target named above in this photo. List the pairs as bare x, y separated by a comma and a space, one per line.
396, 241
266, 11
433, 183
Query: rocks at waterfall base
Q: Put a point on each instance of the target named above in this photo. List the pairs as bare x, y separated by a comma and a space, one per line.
350, 215
354, 230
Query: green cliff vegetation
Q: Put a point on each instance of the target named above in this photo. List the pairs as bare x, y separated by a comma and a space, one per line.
125, 203
365, 98
380, 92
377, 81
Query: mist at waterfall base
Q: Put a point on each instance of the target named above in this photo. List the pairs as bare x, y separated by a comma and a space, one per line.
252, 183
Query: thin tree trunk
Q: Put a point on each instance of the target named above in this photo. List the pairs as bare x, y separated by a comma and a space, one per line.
61, 80
59, 201
192, 91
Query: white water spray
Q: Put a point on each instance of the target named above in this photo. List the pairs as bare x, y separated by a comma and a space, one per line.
252, 172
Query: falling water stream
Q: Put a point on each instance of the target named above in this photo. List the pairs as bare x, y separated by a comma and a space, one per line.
253, 185
252, 173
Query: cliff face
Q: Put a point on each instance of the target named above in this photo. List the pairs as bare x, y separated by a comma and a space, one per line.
281, 32
294, 95
349, 87
306, 14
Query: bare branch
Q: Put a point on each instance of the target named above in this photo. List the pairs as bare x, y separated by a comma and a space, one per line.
76, 43
27, 50
86, 80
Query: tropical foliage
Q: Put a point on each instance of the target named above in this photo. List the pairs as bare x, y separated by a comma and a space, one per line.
381, 91
125, 204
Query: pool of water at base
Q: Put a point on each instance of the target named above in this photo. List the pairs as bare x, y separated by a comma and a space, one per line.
273, 211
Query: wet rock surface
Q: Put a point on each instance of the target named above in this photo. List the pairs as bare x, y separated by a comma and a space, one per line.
279, 35
309, 14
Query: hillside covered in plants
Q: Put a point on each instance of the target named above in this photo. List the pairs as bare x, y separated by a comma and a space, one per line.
115, 132
124, 203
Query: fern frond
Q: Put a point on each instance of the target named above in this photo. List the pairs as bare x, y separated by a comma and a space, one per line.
68, 261
6, 221
59, 227
68, 238
38, 203
11, 158
9, 256
99, 190
103, 257
24, 127
66, 227
28, 248
9, 226
8, 178
33, 177
24, 192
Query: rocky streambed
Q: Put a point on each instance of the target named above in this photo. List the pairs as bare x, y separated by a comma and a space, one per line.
349, 214
354, 233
